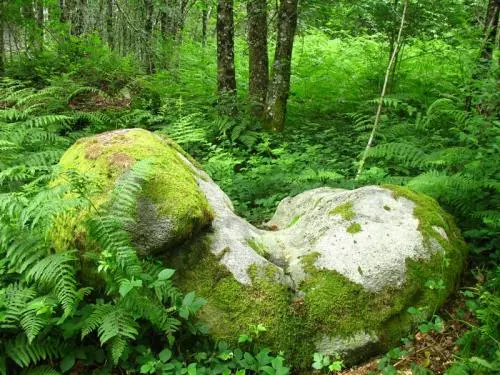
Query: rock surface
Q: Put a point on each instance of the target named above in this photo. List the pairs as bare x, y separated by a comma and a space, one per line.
171, 207
336, 274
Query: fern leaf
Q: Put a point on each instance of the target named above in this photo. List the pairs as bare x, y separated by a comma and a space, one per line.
57, 273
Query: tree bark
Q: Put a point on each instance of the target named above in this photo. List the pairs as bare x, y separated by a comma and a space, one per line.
40, 23
148, 29
204, 26
490, 30
487, 47
2, 49
226, 74
63, 11
258, 56
109, 24
29, 23
77, 17
279, 87
165, 20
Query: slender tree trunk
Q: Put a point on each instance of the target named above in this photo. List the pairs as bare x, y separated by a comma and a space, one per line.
487, 46
63, 11
204, 26
490, 30
181, 20
226, 74
30, 28
279, 87
40, 23
77, 17
2, 49
165, 19
258, 56
148, 29
109, 24
382, 94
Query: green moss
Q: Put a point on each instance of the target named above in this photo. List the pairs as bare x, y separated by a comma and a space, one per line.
354, 228
430, 214
172, 189
338, 307
294, 221
345, 210
232, 307
257, 246
328, 305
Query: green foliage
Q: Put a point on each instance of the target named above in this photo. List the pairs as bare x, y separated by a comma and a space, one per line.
127, 314
324, 362
55, 306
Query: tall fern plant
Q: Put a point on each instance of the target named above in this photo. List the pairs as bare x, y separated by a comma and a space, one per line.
452, 155
49, 307
50, 310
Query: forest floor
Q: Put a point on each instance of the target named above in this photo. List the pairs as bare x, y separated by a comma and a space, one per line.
435, 351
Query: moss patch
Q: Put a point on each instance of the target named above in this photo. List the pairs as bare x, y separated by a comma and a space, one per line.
354, 228
430, 214
345, 210
258, 247
294, 221
232, 307
338, 307
172, 189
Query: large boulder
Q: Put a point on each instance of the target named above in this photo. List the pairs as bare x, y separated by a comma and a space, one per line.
171, 207
335, 273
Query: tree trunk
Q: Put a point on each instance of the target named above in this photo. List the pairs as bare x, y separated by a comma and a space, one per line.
148, 29
258, 57
204, 26
490, 30
487, 47
29, 22
109, 24
77, 17
226, 75
165, 20
2, 49
279, 87
40, 23
63, 11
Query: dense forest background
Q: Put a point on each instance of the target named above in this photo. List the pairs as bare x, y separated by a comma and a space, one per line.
272, 98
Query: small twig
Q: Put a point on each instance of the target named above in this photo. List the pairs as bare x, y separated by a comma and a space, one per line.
382, 95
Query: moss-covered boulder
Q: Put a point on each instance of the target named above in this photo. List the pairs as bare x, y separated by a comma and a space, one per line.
171, 207
337, 272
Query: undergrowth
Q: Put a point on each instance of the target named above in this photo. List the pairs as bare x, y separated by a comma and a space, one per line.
427, 141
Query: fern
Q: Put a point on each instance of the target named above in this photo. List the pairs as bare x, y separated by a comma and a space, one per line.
25, 353
401, 152
56, 272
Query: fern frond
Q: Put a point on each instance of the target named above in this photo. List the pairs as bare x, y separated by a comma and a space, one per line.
24, 353
14, 299
117, 347
85, 90
402, 152
56, 272
32, 321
